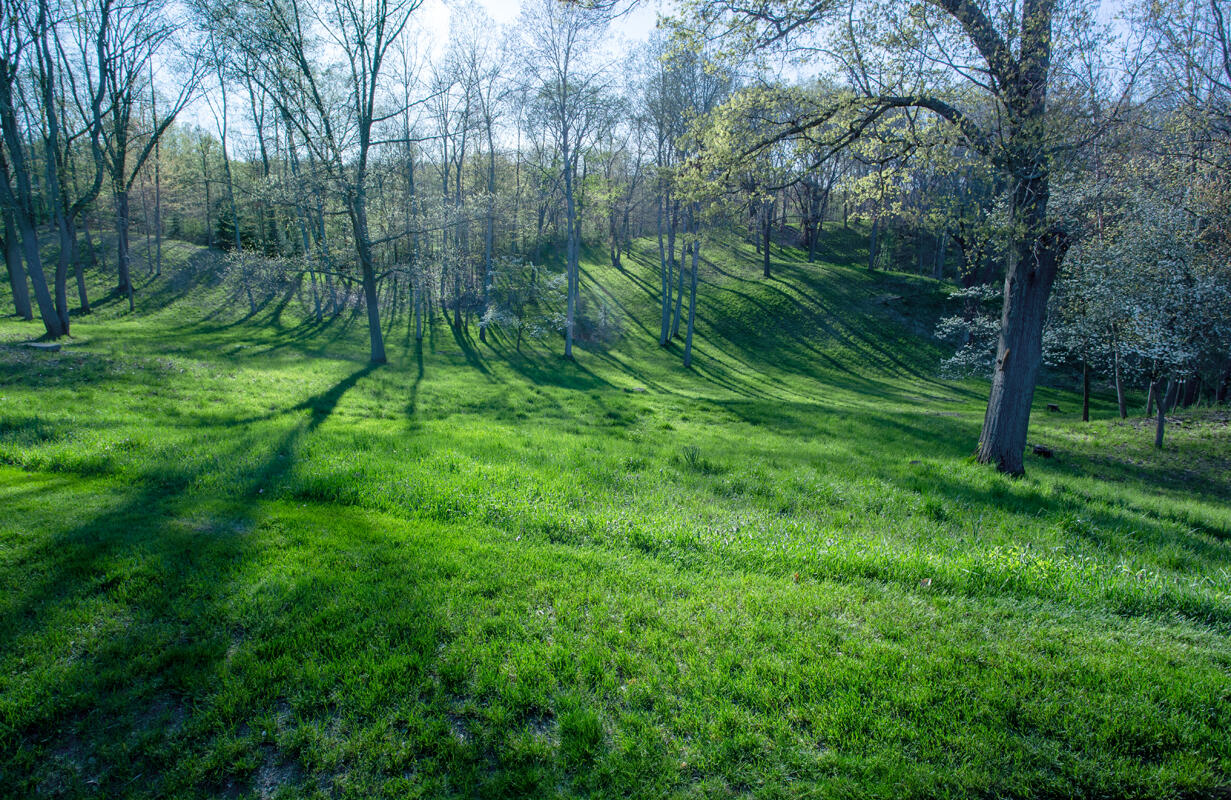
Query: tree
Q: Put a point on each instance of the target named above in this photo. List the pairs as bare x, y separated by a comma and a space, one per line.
559, 44
913, 57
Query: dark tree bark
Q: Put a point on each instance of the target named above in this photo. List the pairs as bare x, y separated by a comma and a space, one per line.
18, 196
1161, 389
1033, 263
16, 270
1085, 391
359, 222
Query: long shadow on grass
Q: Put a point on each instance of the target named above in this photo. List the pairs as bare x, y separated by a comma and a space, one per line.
155, 571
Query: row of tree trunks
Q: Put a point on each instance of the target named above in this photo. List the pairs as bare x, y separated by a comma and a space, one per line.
18, 198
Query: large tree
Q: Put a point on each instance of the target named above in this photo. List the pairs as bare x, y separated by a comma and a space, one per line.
987, 69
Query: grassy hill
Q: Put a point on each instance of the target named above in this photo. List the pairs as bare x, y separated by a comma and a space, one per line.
237, 560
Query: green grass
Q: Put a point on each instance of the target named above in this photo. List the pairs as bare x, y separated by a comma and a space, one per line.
236, 560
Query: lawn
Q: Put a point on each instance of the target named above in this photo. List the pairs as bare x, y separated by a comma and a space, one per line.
237, 560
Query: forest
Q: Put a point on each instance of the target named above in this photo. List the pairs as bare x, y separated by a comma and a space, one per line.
423, 398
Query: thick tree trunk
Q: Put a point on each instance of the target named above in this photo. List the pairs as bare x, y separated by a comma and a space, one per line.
363, 249
1033, 261
38, 279
17, 195
16, 270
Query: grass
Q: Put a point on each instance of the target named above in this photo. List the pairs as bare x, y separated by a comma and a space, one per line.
236, 560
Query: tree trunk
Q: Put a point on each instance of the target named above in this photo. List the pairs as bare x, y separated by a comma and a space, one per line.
16, 270
226, 164
1192, 391
1034, 257
872, 243
1085, 391
768, 213
1157, 389
692, 301
679, 292
419, 303
38, 279
363, 249
1120, 399
123, 256
664, 274
571, 254
157, 212
145, 221
1173, 393
79, 268
1223, 392
489, 232
60, 278
942, 248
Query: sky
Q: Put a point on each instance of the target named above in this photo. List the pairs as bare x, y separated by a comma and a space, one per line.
635, 26
433, 19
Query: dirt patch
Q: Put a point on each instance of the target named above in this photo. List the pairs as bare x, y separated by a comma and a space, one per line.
276, 773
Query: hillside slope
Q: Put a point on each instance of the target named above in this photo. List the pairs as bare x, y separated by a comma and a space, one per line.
236, 559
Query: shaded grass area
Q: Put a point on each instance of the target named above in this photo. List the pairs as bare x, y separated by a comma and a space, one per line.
310, 648
236, 560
